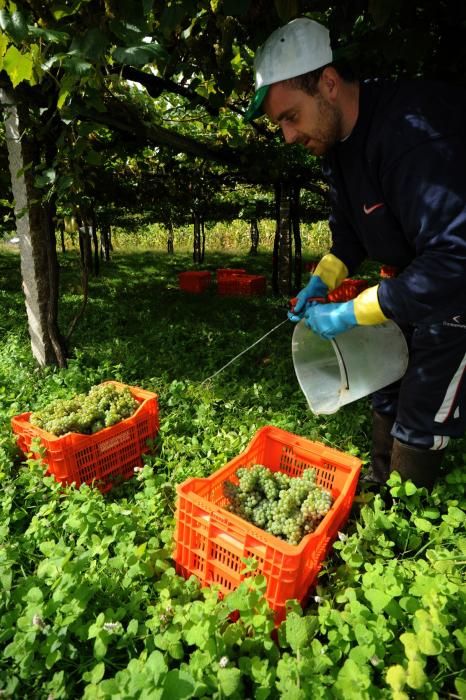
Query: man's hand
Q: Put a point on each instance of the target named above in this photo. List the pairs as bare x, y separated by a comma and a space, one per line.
328, 274
329, 320
314, 288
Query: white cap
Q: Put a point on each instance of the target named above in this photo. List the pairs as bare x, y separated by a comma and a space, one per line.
300, 46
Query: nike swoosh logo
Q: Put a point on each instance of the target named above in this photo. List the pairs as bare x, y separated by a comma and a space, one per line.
369, 210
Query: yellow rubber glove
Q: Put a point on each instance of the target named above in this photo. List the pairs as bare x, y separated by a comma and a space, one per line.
367, 308
331, 270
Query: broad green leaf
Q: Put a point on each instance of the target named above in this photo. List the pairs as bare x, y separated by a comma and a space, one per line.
428, 643
13, 24
409, 641
353, 677
65, 9
52, 658
4, 20
396, 677
77, 65
460, 685
132, 628
3, 45
18, 66
127, 32
415, 676
90, 45
18, 27
422, 524
46, 178
178, 685
455, 516
156, 665
363, 634
34, 595
140, 55
96, 674
50, 35
229, 680
410, 488
297, 634
100, 647
431, 513
378, 599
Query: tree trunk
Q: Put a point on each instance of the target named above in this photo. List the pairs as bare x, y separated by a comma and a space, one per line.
56, 338
61, 228
36, 233
203, 240
283, 253
295, 221
85, 248
86, 260
275, 241
95, 242
197, 252
105, 242
254, 232
170, 238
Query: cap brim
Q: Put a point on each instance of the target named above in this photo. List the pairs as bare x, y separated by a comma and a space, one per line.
255, 108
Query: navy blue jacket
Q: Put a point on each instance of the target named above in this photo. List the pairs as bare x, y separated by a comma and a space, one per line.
398, 192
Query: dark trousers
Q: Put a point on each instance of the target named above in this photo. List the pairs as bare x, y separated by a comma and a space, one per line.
428, 404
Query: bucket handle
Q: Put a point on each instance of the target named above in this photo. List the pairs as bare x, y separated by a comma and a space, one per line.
341, 362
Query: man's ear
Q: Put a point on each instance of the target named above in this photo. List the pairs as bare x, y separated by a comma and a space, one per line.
329, 83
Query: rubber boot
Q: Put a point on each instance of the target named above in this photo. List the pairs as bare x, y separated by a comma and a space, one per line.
381, 451
421, 466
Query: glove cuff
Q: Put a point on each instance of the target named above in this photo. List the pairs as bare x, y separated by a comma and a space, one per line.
331, 271
367, 308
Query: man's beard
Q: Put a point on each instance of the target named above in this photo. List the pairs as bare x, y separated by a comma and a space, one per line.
330, 129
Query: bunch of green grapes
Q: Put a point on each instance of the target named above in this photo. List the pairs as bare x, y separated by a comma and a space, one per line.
103, 406
287, 507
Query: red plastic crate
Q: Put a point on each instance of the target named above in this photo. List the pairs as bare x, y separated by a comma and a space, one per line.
388, 271
311, 266
252, 285
227, 280
347, 290
104, 457
210, 541
194, 281
226, 273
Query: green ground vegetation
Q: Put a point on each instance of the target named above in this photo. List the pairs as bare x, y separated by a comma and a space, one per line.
90, 603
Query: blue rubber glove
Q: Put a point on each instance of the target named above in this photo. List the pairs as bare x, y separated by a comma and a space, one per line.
314, 288
328, 320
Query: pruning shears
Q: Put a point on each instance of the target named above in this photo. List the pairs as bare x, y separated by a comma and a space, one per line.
310, 300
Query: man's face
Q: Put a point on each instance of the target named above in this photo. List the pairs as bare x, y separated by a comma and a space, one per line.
312, 121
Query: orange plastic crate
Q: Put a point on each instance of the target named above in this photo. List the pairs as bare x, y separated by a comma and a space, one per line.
347, 290
210, 541
194, 281
252, 285
104, 457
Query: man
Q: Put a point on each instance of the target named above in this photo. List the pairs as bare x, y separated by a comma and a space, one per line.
395, 159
